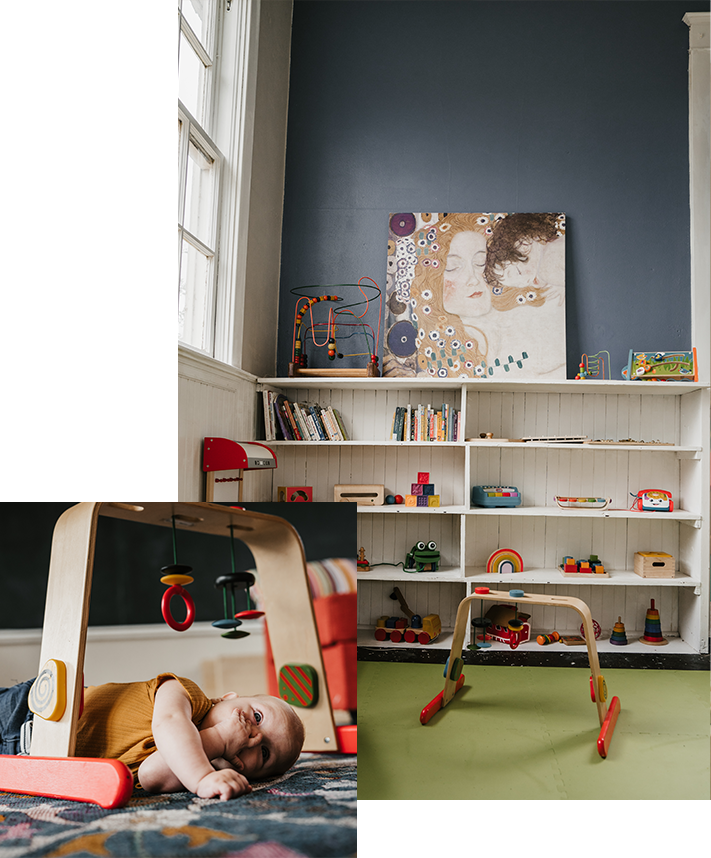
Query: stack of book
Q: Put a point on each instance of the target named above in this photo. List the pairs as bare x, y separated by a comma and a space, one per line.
423, 423
300, 421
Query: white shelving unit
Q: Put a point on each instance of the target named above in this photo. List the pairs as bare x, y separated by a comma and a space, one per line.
675, 413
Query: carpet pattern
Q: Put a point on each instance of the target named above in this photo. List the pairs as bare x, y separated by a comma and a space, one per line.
309, 812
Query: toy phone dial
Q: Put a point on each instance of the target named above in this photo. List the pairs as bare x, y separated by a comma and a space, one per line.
653, 500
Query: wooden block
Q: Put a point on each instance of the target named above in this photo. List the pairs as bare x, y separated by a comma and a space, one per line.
432, 500
422, 500
410, 500
295, 494
653, 564
416, 489
363, 495
423, 477
428, 488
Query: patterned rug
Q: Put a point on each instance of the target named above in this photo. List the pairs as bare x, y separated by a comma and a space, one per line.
309, 811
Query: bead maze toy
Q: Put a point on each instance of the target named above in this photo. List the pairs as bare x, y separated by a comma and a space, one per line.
331, 327
661, 366
51, 769
454, 678
594, 366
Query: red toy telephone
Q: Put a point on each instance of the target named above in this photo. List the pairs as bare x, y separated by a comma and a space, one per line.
653, 500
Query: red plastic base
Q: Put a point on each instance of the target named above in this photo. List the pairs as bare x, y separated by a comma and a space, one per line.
436, 704
347, 739
608, 727
108, 783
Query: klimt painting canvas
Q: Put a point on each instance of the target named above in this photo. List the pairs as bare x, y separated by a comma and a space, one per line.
477, 295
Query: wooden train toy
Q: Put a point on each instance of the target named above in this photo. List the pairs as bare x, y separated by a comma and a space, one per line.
414, 629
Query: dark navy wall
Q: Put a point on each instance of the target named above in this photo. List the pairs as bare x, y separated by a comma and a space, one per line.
490, 105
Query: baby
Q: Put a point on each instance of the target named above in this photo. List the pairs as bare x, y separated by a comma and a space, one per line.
172, 737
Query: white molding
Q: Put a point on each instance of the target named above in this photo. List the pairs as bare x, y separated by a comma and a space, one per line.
698, 23
237, 100
196, 366
700, 186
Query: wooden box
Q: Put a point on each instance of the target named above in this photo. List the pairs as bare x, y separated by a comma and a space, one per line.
362, 495
653, 564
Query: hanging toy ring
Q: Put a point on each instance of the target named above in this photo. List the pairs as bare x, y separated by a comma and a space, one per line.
177, 590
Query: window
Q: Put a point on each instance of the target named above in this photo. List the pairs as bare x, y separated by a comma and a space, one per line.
199, 163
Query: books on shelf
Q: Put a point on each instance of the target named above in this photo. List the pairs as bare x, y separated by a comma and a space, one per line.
424, 423
300, 421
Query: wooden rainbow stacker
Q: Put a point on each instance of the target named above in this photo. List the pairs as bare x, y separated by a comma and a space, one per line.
51, 769
454, 678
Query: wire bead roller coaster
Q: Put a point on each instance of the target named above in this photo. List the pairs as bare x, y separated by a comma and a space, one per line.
331, 327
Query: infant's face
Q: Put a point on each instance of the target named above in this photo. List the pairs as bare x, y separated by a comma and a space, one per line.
267, 716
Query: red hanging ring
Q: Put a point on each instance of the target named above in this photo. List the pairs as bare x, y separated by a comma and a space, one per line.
177, 590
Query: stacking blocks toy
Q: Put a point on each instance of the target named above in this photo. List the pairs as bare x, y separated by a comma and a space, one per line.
422, 493
592, 566
422, 489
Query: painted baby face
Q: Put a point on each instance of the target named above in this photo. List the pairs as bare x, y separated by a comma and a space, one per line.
465, 290
268, 717
544, 266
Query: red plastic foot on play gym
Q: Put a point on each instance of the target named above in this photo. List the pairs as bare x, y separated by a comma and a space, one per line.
108, 783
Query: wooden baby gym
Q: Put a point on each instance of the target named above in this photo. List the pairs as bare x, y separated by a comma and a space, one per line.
56, 698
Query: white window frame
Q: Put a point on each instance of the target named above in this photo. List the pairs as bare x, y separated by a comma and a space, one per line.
230, 138
192, 131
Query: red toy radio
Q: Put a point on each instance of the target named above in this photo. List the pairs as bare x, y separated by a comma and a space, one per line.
653, 500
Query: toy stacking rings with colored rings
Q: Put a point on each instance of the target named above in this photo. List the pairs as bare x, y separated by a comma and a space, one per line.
177, 590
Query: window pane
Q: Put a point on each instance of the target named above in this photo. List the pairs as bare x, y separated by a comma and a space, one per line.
198, 13
194, 297
199, 194
191, 80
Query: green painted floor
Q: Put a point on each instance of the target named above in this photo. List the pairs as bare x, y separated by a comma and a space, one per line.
531, 733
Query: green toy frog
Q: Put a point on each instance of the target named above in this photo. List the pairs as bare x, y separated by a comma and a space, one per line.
424, 557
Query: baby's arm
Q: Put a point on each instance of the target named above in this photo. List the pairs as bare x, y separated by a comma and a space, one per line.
163, 779
183, 754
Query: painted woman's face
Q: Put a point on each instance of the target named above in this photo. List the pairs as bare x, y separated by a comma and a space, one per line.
465, 290
545, 265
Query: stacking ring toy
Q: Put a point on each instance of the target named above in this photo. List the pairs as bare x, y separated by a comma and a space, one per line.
177, 590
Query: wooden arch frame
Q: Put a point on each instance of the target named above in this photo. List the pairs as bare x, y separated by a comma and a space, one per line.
454, 678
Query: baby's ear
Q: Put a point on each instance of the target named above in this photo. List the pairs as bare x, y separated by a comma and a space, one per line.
231, 695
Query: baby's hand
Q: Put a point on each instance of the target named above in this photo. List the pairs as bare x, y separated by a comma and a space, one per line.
223, 784
237, 733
